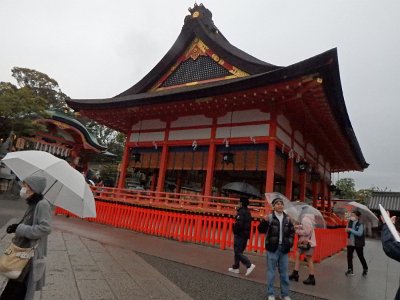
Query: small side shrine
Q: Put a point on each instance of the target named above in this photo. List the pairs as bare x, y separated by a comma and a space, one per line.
64, 137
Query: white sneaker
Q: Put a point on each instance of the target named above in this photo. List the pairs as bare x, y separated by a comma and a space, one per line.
236, 271
249, 270
271, 297
286, 298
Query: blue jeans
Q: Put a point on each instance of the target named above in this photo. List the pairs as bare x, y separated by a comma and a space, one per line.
281, 260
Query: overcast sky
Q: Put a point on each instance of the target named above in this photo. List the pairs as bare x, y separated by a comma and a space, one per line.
97, 49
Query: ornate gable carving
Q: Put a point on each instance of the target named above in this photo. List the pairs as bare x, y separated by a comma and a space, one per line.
197, 65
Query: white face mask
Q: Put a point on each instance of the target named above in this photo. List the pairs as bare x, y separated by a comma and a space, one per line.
23, 193
353, 218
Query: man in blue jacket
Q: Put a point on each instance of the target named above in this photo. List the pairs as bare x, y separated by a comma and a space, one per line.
355, 241
391, 247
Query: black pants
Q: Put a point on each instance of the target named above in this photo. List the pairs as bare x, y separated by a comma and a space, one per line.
360, 254
14, 290
239, 244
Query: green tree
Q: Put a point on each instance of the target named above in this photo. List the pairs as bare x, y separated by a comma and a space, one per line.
346, 186
363, 195
19, 107
42, 86
109, 173
112, 139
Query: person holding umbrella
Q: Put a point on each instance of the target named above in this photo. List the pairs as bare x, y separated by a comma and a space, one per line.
279, 239
241, 231
355, 241
31, 231
306, 245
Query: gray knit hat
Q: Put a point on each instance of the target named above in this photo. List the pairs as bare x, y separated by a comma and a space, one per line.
36, 183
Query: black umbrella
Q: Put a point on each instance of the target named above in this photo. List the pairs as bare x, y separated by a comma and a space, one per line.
242, 188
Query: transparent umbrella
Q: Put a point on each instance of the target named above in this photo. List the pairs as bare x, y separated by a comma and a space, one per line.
367, 216
296, 210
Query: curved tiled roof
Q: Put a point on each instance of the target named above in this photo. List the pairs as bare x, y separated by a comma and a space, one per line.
90, 138
389, 200
202, 27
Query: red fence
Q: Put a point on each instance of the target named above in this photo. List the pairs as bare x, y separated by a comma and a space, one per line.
199, 228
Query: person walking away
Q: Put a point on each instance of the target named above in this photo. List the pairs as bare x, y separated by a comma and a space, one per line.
355, 241
32, 230
306, 235
279, 239
390, 246
241, 231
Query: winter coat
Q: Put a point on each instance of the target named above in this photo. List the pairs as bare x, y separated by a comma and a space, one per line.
37, 233
242, 225
391, 248
307, 232
271, 228
357, 232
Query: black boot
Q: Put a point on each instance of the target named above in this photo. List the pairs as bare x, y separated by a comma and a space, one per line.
294, 276
310, 280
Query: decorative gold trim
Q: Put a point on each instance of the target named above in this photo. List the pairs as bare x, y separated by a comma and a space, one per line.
196, 49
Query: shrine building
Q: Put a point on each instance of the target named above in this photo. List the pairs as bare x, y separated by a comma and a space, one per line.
208, 114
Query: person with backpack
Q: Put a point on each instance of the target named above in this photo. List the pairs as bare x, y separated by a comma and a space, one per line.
279, 239
355, 241
241, 231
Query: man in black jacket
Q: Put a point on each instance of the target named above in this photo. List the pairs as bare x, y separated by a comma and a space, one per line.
241, 231
278, 241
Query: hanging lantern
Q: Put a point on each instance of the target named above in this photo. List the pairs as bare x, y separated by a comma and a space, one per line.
136, 156
302, 165
227, 158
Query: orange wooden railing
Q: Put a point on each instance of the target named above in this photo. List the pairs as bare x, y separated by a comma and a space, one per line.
179, 202
166, 215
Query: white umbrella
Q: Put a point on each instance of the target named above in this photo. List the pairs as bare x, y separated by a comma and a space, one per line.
367, 216
296, 210
66, 187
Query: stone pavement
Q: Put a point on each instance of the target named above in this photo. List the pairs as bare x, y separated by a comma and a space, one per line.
80, 268
381, 282
93, 261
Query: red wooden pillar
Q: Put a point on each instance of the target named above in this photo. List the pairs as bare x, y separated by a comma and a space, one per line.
289, 178
153, 182
163, 168
163, 160
212, 150
302, 189
124, 165
314, 188
324, 189
269, 184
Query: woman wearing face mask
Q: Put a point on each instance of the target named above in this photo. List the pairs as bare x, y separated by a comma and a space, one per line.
355, 241
32, 230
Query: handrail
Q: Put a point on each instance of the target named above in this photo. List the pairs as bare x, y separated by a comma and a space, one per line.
179, 201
